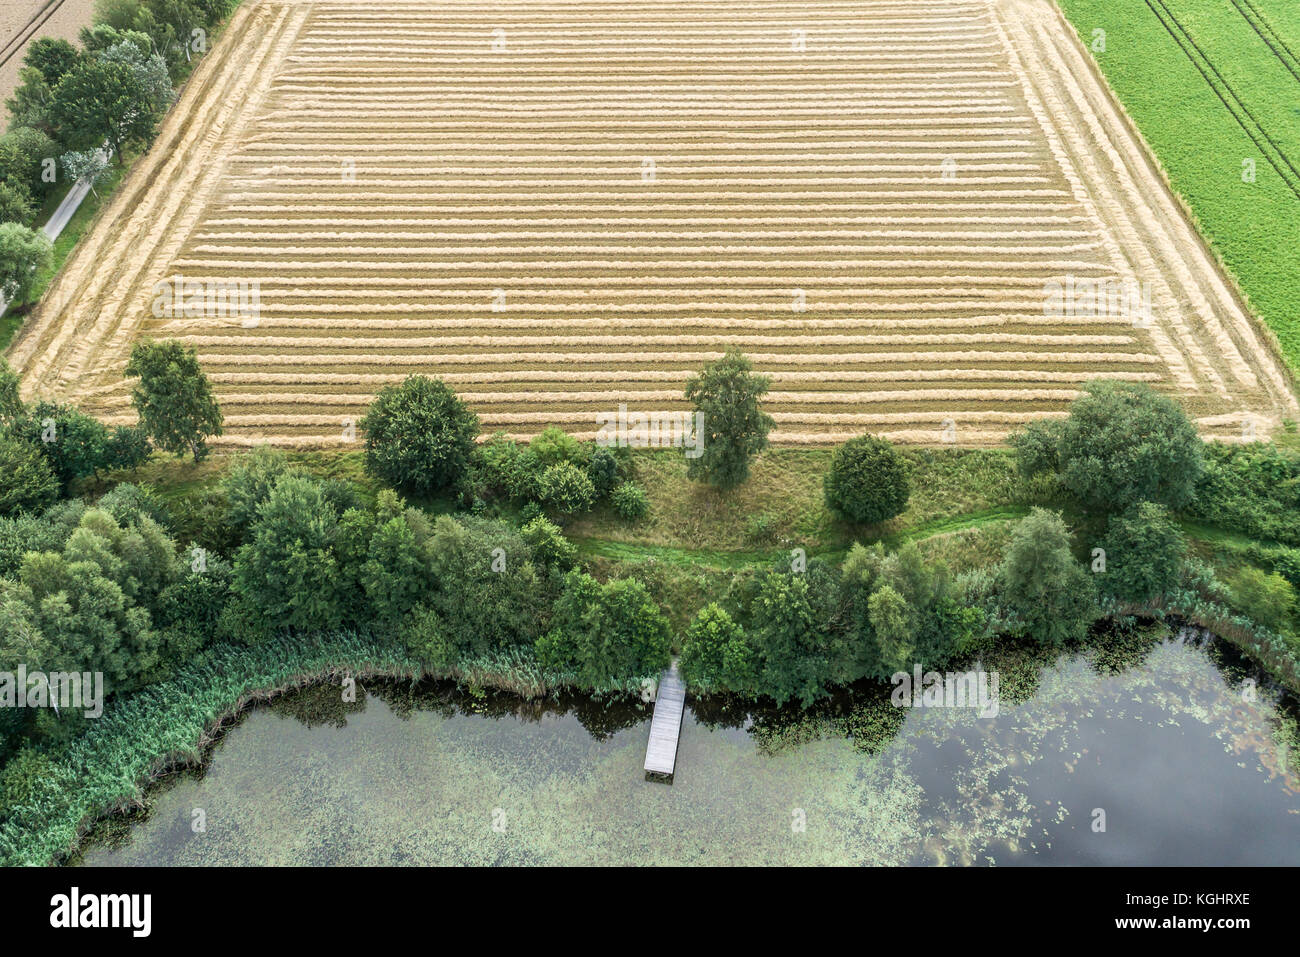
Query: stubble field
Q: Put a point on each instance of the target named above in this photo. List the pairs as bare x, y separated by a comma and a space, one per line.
558, 207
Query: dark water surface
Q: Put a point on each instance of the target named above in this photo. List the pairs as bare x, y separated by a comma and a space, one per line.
1187, 768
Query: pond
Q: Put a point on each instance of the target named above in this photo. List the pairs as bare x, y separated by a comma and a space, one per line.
1157, 751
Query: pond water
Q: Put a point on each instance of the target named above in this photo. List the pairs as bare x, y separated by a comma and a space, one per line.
1162, 736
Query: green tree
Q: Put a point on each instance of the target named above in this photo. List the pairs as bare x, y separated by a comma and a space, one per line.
91, 165
735, 428
25, 156
53, 56
29, 483
553, 445
29, 108
109, 99
1122, 444
547, 545
1037, 447
24, 253
173, 397
715, 653
88, 605
248, 482
11, 403
867, 481
894, 623
1144, 551
16, 202
395, 576
127, 448
74, 444
1040, 582
287, 570
486, 589
419, 436
603, 471
606, 633
788, 632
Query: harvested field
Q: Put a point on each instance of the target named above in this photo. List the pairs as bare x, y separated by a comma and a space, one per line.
558, 207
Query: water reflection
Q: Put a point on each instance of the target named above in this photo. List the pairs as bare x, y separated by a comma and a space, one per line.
1161, 735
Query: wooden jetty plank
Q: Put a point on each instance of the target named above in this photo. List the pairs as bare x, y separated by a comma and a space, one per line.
666, 725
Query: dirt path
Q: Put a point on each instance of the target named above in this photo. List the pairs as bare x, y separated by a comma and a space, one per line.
561, 207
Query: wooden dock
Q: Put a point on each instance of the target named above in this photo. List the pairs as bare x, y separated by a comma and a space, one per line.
666, 726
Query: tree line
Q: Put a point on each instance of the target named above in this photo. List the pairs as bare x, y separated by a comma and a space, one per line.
78, 109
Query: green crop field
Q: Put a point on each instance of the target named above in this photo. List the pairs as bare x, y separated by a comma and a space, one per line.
1210, 84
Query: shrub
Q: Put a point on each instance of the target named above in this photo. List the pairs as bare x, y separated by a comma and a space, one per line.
1144, 554
12, 407
630, 501
127, 502
1267, 599
74, 444
248, 482
1253, 489
566, 488
22, 778
547, 544
603, 471
761, 528
1036, 447
29, 484
426, 639
553, 445
419, 436
127, 448
867, 481
16, 202
23, 152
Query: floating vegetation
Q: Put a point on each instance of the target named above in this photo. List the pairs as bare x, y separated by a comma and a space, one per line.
426, 774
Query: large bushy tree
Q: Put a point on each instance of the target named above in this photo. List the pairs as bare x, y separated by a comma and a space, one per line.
607, 633
118, 95
867, 481
53, 56
716, 653
1121, 444
29, 484
75, 444
419, 436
